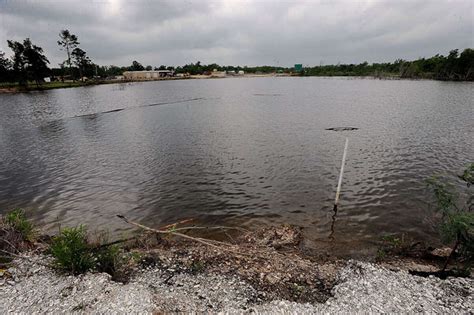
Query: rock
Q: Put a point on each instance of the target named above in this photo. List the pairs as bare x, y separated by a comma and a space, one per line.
441, 252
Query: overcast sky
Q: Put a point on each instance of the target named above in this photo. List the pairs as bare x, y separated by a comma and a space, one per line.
238, 32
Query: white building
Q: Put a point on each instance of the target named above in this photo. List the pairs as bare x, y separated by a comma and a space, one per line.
147, 75
218, 74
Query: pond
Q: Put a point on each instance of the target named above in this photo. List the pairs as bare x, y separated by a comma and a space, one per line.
243, 151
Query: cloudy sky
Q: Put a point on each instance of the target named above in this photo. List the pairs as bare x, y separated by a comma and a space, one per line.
253, 32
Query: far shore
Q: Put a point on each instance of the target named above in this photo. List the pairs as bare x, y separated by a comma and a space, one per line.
15, 88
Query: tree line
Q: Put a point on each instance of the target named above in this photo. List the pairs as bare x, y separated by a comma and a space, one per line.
28, 63
455, 66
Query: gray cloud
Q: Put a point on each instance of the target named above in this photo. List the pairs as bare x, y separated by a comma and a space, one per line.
242, 32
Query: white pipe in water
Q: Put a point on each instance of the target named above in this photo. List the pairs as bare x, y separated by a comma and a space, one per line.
338, 190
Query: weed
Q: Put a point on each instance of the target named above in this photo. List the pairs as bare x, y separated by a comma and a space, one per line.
457, 222
109, 260
393, 240
381, 254
71, 250
297, 290
79, 307
197, 266
18, 221
136, 257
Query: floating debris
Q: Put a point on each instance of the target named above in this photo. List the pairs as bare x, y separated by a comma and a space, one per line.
266, 94
342, 128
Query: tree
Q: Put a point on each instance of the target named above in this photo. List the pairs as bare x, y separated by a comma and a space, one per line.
28, 61
149, 68
136, 66
4, 67
19, 62
36, 61
68, 42
81, 61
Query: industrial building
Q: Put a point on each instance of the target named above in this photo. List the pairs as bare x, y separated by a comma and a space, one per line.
147, 75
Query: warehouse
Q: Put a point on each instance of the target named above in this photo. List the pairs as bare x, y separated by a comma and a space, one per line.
147, 75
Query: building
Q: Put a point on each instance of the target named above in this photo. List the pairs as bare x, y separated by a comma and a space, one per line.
147, 75
218, 74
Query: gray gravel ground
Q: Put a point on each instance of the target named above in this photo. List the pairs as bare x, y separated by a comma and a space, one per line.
362, 287
365, 287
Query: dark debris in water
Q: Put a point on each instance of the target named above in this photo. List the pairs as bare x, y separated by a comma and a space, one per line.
342, 128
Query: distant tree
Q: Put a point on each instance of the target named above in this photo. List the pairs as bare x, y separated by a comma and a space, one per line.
466, 62
19, 62
68, 42
28, 61
149, 68
81, 61
37, 63
4, 68
114, 70
136, 66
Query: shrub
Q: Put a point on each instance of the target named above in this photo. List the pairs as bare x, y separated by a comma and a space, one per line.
109, 260
17, 220
71, 250
457, 222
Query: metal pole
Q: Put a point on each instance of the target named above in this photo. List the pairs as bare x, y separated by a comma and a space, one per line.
338, 190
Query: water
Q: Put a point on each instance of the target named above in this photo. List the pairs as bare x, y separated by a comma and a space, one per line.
251, 152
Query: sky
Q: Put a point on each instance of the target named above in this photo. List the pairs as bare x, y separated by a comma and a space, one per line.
242, 32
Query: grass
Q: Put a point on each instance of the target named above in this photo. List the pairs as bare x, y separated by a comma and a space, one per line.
74, 253
50, 85
71, 250
396, 245
17, 220
16, 234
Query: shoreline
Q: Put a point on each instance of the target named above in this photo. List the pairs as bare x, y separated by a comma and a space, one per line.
14, 89
266, 271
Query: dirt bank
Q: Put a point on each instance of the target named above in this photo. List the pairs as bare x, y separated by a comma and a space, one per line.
264, 271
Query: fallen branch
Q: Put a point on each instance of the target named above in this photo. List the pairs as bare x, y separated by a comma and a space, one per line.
206, 242
210, 228
174, 224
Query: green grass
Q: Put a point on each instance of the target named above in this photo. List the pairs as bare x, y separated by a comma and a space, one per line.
50, 85
71, 251
74, 253
18, 221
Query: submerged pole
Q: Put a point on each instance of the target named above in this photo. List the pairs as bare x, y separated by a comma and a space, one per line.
338, 190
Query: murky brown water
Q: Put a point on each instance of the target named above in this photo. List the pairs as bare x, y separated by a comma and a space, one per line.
243, 151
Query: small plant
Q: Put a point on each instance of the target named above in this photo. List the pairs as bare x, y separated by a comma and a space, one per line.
393, 240
18, 221
71, 250
109, 260
297, 290
457, 222
381, 254
468, 175
197, 266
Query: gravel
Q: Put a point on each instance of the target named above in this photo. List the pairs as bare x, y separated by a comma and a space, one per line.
361, 287
365, 287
